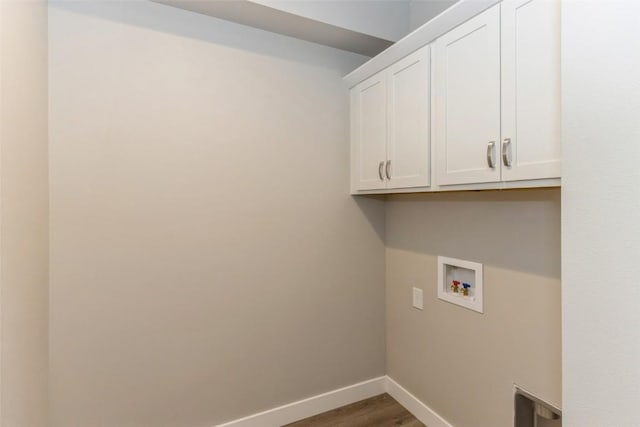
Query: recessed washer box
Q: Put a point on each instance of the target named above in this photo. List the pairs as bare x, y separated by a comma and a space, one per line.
460, 282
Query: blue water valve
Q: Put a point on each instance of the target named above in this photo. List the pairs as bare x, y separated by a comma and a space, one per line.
465, 290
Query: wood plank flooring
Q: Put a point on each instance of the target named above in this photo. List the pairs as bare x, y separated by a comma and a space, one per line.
378, 411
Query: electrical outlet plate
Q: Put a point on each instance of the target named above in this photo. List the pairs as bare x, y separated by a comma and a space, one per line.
450, 269
418, 299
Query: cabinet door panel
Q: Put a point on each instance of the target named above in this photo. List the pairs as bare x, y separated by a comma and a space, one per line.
369, 131
531, 88
408, 147
467, 116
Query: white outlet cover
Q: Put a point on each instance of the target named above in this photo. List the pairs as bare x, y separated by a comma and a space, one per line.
417, 299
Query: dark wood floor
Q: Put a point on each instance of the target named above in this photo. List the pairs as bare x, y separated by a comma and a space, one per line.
378, 411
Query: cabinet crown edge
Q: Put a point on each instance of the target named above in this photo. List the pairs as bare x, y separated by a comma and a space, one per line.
456, 15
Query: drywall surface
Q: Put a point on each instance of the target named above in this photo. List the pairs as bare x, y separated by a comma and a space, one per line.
461, 363
23, 213
600, 205
422, 11
207, 260
275, 20
387, 19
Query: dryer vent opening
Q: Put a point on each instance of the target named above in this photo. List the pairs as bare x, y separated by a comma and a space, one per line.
531, 411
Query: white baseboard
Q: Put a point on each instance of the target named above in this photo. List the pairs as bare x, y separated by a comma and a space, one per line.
312, 406
334, 399
419, 410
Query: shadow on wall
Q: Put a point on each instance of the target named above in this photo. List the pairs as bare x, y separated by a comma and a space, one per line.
515, 229
372, 207
167, 19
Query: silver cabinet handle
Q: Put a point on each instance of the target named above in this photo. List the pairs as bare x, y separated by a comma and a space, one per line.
388, 169
506, 151
491, 154
380, 171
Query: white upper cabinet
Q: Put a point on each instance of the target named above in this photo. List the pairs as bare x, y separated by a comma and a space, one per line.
497, 84
530, 89
369, 133
467, 101
408, 146
495, 91
390, 132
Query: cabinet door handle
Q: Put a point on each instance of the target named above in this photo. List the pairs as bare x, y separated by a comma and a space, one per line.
388, 169
506, 151
491, 148
380, 171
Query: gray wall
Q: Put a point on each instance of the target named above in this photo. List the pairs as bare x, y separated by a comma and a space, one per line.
24, 219
461, 363
207, 260
601, 202
422, 11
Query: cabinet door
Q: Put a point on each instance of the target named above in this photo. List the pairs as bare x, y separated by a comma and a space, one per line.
408, 146
369, 132
530, 89
467, 116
